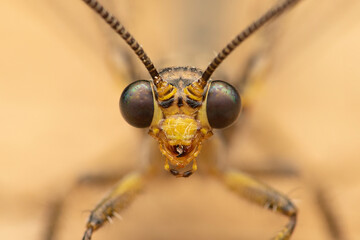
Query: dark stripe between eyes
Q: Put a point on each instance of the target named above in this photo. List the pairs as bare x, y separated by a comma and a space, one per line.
166, 103
180, 102
192, 103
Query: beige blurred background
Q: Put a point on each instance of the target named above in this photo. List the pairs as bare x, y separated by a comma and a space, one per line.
60, 119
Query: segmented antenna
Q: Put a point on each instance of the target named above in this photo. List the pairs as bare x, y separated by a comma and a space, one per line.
129, 39
270, 14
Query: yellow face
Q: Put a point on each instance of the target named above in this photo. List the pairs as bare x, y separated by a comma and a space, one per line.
179, 123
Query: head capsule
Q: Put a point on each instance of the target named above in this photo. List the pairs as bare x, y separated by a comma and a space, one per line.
180, 116
184, 115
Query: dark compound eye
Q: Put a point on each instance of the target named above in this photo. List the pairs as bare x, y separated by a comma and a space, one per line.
137, 104
223, 104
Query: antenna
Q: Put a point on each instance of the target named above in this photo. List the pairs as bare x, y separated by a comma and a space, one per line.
129, 39
270, 14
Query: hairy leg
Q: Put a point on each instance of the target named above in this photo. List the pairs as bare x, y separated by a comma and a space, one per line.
117, 200
262, 195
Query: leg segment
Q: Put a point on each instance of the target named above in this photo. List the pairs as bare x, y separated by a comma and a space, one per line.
262, 195
118, 199
56, 207
327, 211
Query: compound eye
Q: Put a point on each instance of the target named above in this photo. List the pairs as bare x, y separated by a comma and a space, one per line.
223, 104
137, 104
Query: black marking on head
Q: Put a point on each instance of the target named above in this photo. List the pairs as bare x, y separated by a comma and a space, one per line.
174, 172
185, 68
166, 103
180, 102
192, 103
187, 173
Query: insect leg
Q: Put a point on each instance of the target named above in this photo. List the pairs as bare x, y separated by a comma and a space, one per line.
56, 207
263, 195
118, 199
280, 167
